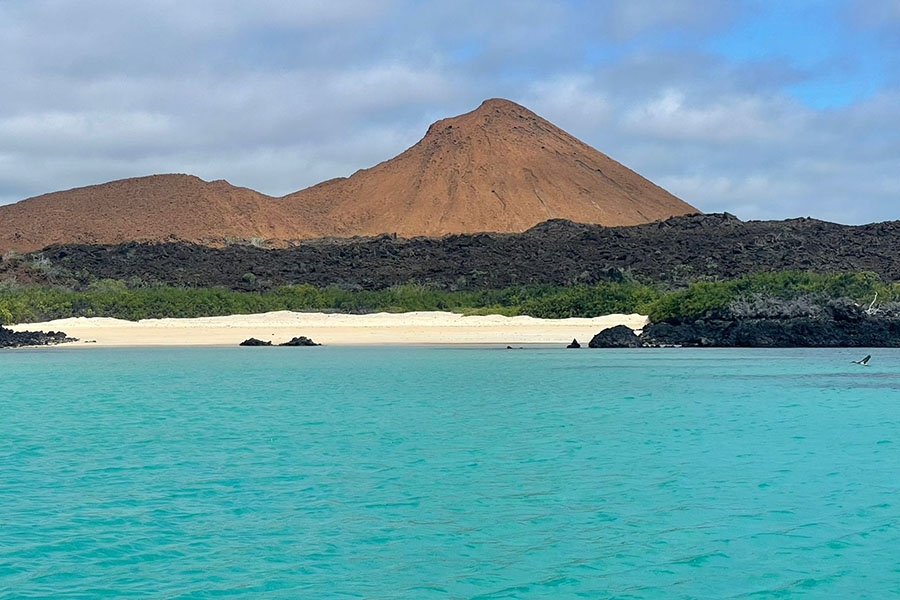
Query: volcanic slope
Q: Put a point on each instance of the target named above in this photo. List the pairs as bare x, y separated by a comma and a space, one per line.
149, 209
500, 168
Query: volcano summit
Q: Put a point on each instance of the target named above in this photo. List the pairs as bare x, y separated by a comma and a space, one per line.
499, 168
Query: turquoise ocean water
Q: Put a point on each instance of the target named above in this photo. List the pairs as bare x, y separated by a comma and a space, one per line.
449, 473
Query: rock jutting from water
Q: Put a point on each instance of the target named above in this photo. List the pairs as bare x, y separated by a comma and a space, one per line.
619, 336
300, 341
254, 342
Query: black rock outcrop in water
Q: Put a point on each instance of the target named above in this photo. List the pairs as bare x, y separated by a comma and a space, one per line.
574, 344
18, 339
254, 342
297, 341
300, 341
619, 336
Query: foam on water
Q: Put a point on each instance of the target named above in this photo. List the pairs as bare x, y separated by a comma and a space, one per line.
448, 473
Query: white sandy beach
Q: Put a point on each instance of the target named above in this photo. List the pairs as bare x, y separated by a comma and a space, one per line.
334, 329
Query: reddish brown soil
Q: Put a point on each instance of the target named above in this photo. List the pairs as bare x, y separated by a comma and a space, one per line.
158, 207
499, 168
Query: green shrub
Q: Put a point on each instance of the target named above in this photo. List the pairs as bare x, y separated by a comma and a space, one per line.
132, 300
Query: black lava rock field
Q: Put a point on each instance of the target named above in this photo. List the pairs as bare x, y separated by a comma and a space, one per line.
676, 251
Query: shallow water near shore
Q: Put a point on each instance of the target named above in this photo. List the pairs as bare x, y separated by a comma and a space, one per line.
442, 472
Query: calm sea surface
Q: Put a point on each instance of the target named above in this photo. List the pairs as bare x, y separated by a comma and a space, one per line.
449, 473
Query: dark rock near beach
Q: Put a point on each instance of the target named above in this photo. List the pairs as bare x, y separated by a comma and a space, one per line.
18, 339
768, 322
837, 323
619, 336
795, 332
300, 341
254, 342
574, 344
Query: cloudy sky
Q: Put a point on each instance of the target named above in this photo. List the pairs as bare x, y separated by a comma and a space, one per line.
768, 109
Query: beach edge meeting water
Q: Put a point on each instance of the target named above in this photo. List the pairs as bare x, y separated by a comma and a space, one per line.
748, 321
411, 328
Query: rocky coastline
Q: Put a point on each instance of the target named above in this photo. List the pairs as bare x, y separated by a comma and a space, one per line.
776, 333
836, 324
20, 339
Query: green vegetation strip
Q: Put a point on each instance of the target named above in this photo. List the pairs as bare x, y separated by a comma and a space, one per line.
109, 298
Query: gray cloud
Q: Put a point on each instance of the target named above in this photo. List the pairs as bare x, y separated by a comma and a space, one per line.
625, 19
279, 95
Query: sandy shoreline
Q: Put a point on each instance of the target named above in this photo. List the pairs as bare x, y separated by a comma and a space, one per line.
412, 328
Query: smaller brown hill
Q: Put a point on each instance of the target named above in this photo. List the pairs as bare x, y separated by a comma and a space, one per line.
154, 208
499, 168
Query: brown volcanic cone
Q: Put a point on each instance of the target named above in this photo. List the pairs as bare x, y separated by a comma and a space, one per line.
499, 168
154, 208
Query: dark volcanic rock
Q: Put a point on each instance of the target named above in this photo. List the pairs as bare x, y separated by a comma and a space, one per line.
804, 322
798, 332
17, 339
574, 344
838, 327
557, 252
300, 341
619, 336
254, 342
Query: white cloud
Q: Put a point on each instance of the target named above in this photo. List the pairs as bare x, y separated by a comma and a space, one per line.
76, 132
573, 100
629, 18
750, 196
730, 119
385, 86
214, 16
